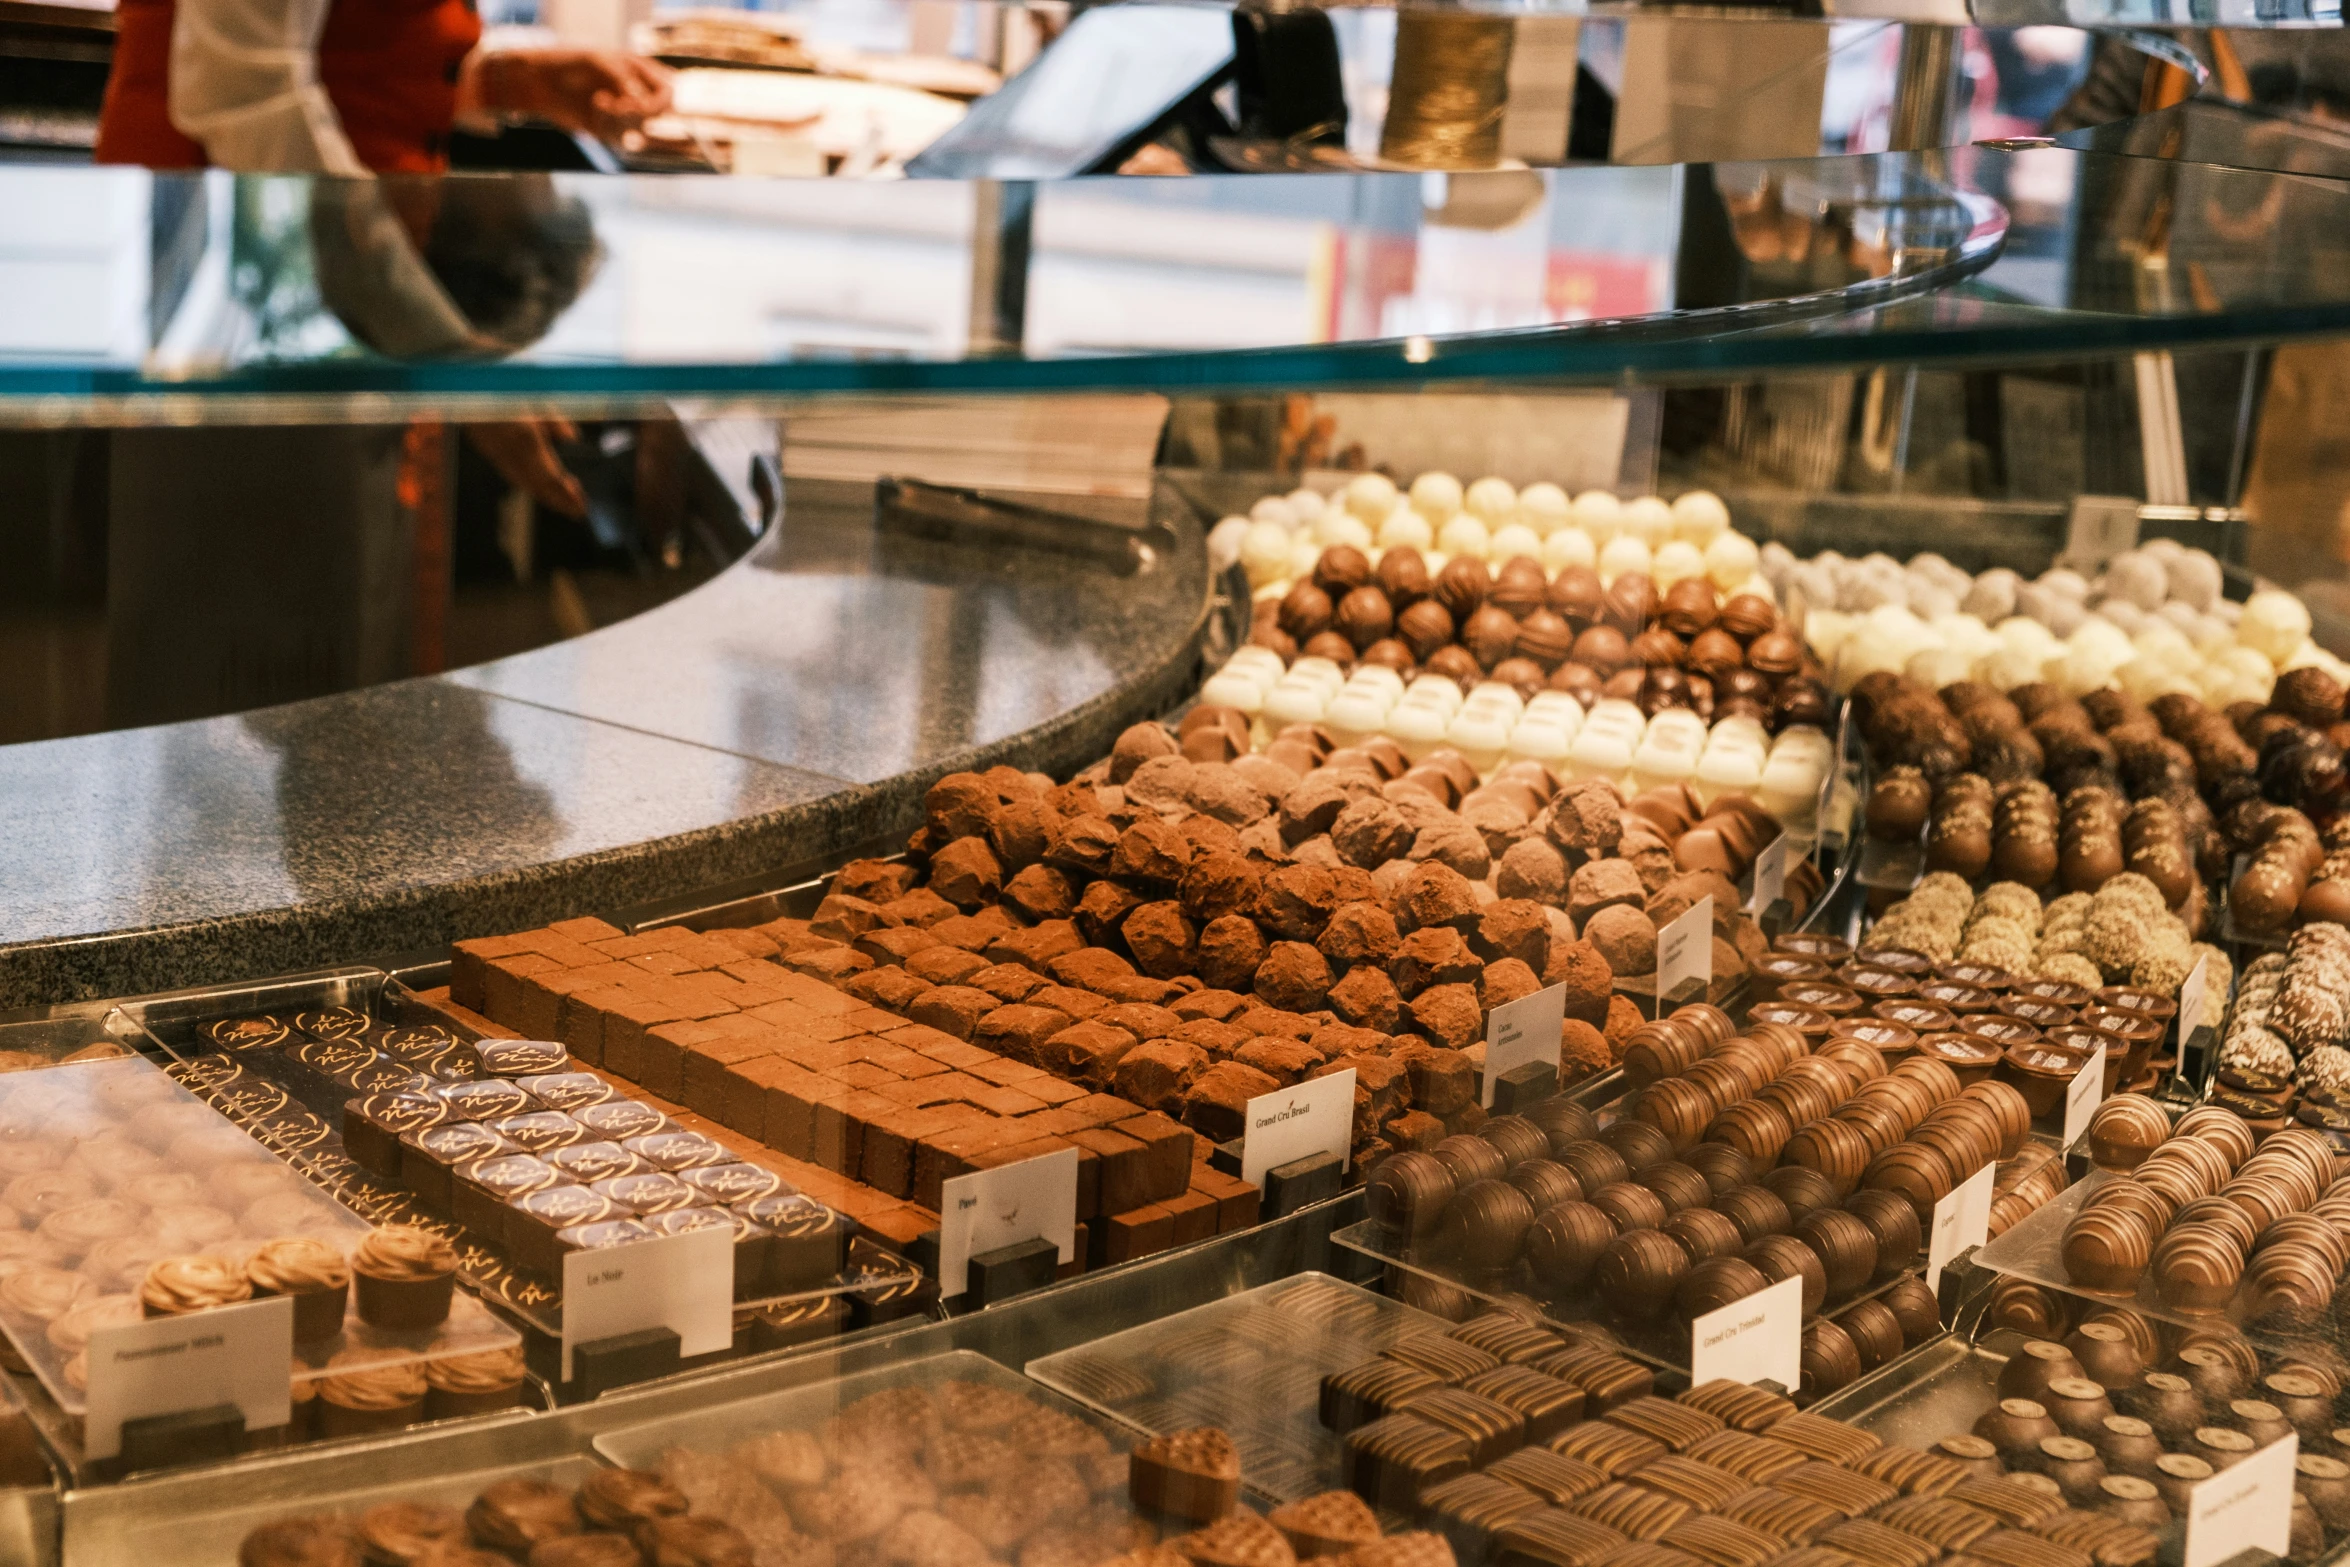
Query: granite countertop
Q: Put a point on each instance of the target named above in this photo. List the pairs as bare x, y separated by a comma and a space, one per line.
793, 708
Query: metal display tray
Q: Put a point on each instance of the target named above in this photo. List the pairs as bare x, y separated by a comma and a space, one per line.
721, 1426
172, 1023
1252, 1364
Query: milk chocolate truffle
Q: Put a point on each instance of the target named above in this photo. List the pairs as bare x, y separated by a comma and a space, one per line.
1490, 634
1410, 1192
1603, 649
1830, 1360
1784, 1257
1461, 587
1638, 1273
1209, 745
1716, 1282
1364, 616
1564, 1244
1629, 603
1403, 577
1490, 1219
1455, 663
1576, 596
1305, 612
1914, 1307
1893, 1224
1340, 569
1545, 637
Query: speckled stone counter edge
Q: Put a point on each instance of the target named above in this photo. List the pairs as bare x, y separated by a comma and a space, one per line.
409, 920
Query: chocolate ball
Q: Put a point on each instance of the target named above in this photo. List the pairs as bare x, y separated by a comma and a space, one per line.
1575, 596
1403, 576
1630, 603
1658, 648
1491, 634
1579, 681
1305, 611
1490, 1219
1604, 649
1803, 702
1747, 616
1703, 1233
1776, 653
2308, 695
1829, 1361
1638, 1274
1455, 663
1690, 606
1564, 1244
1409, 1192
1663, 688
1269, 635
1425, 626
1716, 654
1341, 569
1545, 637
1717, 1282
1392, 653
1521, 675
1914, 1307
1520, 587
1329, 645
1471, 1159
1364, 617
1461, 587
1784, 1257
1546, 1183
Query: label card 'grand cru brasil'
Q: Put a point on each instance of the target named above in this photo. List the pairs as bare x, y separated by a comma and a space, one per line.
1315, 1116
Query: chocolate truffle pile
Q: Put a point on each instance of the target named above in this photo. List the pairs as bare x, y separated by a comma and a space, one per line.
613, 1518
2122, 1427
2211, 1221
2290, 1025
1487, 1448
1685, 646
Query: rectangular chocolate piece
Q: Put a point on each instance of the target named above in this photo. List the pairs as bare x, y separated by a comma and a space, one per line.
595, 1237
731, 1185
810, 1242
1388, 1463
480, 1193
374, 1125
536, 1218
568, 1091
486, 1100
678, 1150
540, 1131
510, 1058
654, 1191
428, 1158
588, 1163
617, 1120
797, 1322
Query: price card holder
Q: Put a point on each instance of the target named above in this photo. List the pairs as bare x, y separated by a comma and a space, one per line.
1758, 1339
2082, 1097
989, 1210
1316, 1116
1962, 1221
189, 1367
1685, 958
2195, 1038
1523, 1033
1769, 904
2101, 527
681, 1283
2246, 1508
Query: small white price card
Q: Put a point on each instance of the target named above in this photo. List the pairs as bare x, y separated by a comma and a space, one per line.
1034, 1200
2082, 1098
241, 1355
1523, 1030
1961, 1219
1770, 874
2247, 1508
1685, 952
2191, 994
684, 1283
1758, 1339
1315, 1116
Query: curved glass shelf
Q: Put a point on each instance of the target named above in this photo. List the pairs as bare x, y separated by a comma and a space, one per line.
201, 298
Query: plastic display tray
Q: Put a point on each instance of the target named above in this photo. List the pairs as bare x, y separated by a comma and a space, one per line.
195, 1537
313, 1103
176, 1180
1252, 1364
719, 1428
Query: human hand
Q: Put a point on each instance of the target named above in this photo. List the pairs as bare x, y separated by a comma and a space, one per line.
523, 452
601, 93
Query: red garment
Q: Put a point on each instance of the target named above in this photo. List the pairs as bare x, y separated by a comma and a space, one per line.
388, 66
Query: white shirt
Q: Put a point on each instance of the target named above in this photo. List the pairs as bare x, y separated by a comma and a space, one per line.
244, 84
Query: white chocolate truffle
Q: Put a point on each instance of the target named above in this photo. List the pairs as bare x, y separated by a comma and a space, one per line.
1827, 630
1991, 599
2194, 576
1599, 753
1464, 535
1544, 507
1568, 547
1296, 702
1321, 671
1512, 540
1929, 600
1445, 693
1307, 502
2009, 667
1731, 559
1676, 560
2122, 613
2274, 624
1418, 730
2065, 615
1649, 519
2023, 632
1936, 667
1623, 553
1261, 663
1355, 716
1777, 562
1264, 553
1224, 540
1436, 496
1274, 509
2065, 582
1337, 525
1720, 773
1304, 554
1700, 517
1480, 737
1599, 514
1379, 678
2137, 578
1225, 688
1370, 496
1404, 526
1492, 501
1537, 741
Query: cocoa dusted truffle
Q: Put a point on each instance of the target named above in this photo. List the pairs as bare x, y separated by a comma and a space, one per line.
1365, 616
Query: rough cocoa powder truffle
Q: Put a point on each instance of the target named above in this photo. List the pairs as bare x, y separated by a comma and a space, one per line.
1531, 868
1137, 745
1229, 950
1626, 937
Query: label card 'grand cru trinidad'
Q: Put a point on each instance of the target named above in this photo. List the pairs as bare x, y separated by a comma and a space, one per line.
1315, 1116
1758, 1339
241, 1355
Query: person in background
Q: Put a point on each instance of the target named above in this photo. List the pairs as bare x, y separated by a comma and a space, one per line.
344, 87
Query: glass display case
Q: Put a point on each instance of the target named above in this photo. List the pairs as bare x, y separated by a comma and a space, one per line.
1563, 864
